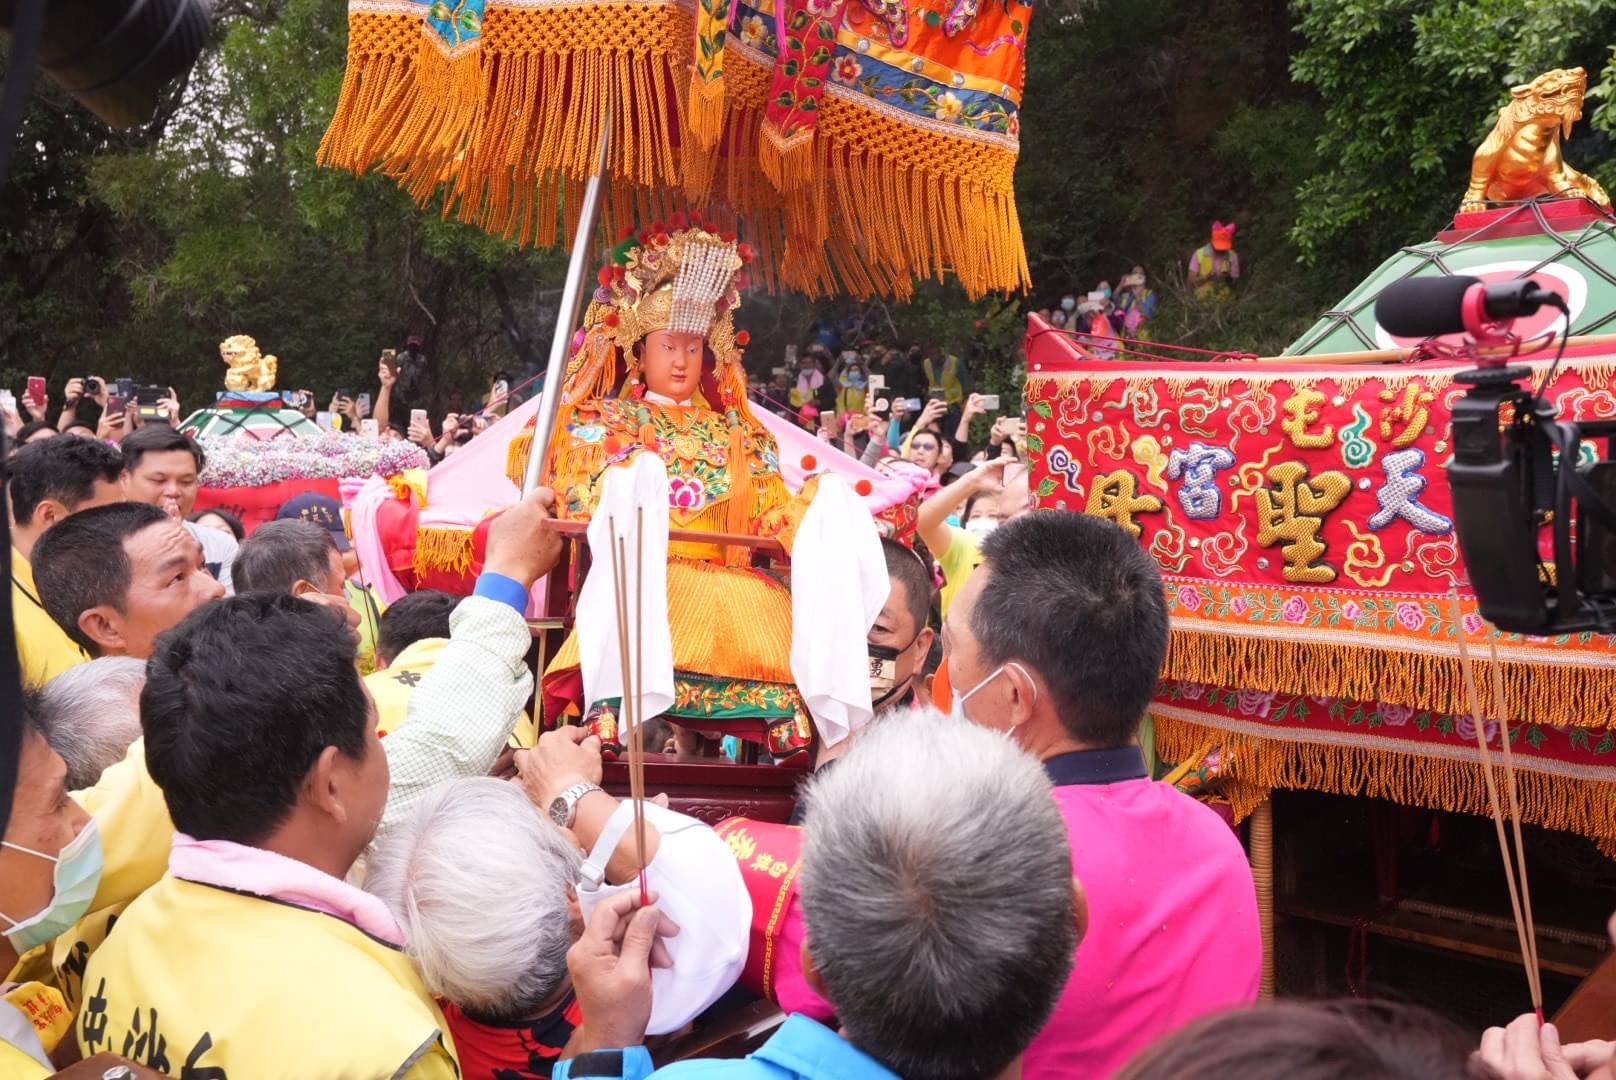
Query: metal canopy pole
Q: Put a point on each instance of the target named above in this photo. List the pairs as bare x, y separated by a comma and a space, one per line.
571, 310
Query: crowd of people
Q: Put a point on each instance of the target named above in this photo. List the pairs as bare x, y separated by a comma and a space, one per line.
233, 853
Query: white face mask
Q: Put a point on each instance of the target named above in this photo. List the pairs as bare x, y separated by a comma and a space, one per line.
958, 711
1068, 303
981, 526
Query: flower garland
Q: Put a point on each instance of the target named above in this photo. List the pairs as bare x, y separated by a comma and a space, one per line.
236, 462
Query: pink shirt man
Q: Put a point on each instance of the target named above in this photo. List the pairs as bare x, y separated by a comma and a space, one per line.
1173, 932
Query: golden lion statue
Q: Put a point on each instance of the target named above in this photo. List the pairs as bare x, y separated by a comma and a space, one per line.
1521, 158
249, 368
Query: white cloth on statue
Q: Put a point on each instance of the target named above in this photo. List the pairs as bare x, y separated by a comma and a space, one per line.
640, 485
838, 586
698, 885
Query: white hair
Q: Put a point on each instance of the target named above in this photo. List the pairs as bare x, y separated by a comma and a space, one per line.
90, 715
936, 886
477, 879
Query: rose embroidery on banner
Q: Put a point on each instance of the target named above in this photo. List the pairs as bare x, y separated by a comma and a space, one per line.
1350, 611
1294, 610
1409, 615
1191, 691
1189, 598
1255, 702
1473, 623
1395, 715
1465, 728
1238, 605
686, 493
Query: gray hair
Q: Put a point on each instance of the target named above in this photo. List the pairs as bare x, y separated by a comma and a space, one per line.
90, 715
477, 879
937, 890
279, 554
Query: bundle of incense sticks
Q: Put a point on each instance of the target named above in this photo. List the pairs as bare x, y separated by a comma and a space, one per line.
1520, 899
632, 667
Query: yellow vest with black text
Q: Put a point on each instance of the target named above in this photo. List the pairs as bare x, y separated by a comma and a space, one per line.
394, 685
197, 977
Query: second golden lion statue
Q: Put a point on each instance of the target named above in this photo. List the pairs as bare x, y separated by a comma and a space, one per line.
1521, 158
249, 369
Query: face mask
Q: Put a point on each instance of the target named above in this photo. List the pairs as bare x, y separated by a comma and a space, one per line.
1068, 303
77, 876
980, 527
958, 711
1106, 293
884, 672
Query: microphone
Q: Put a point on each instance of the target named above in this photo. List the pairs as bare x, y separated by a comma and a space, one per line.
1432, 306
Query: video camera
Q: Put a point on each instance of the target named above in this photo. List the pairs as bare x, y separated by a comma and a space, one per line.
1517, 474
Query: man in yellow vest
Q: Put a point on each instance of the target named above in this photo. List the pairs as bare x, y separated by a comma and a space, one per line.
50, 480
263, 741
410, 638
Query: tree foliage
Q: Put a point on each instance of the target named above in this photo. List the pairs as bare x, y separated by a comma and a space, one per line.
1332, 131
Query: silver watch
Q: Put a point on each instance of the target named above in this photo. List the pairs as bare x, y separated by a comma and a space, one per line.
564, 807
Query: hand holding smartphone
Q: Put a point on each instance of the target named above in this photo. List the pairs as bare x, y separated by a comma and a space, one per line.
36, 390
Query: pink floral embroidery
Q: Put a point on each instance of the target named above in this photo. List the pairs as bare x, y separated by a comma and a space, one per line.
1465, 727
1409, 615
1350, 611
1189, 598
686, 493
1395, 715
1238, 605
1294, 611
1191, 691
1473, 623
1255, 702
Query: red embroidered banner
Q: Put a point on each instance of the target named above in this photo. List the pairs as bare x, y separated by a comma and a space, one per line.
1303, 524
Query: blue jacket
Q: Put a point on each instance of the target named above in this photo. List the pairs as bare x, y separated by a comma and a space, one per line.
800, 1049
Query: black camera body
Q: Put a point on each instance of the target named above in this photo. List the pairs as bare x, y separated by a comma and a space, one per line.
1516, 473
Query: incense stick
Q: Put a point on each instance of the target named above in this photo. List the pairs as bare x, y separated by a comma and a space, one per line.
637, 758
1534, 972
627, 706
1492, 795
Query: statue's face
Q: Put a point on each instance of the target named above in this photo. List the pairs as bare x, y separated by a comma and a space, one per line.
670, 363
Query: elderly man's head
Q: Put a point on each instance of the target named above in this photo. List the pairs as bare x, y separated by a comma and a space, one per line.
1059, 634
297, 558
49, 864
90, 714
115, 577
259, 731
937, 890
480, 882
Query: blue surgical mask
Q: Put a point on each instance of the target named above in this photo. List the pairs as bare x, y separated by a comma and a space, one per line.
1068, 303
77, 876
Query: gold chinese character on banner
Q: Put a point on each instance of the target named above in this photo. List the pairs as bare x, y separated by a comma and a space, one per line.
1291, 511
1113, 496
1407, 416
1301, 414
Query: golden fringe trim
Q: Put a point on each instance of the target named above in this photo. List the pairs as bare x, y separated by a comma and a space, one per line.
787, 160
1538, 692
440, 548
509, 131
516, 457
1555, 802
706, 111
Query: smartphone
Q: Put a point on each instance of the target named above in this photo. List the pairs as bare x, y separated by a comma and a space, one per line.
116, 405
912, 404
990, 402
780, 371
418, 416
150, 395
501, 386
877, 382
36, 389
390, 358
367, 428
302, 398
8, 401
126, 389
935, 394
791, 356
881, 405
363, 401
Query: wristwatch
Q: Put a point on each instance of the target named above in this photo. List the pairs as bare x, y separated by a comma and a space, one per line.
564, 807
119, 1072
